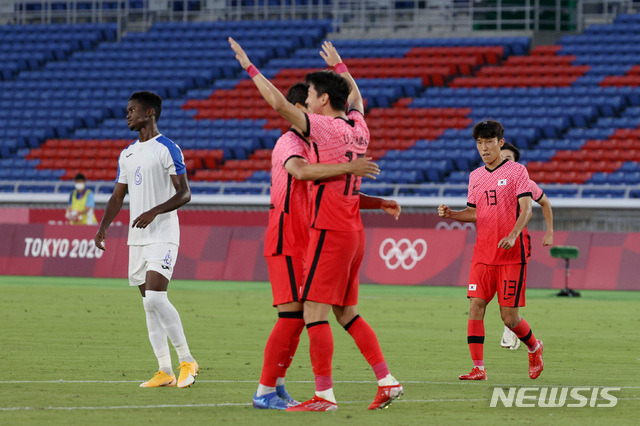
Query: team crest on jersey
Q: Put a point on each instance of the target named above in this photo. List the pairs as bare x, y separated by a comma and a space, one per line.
473, 287
502, 182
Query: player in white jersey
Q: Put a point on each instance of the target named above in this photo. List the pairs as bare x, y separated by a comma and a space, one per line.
153, 172
511, 153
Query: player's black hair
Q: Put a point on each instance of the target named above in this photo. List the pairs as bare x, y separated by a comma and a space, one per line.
297, 94
149, 100
79, 176
488, 129
512, 148
334, 85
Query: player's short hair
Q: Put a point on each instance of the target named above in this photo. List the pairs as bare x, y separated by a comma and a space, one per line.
148, 100
297, 94
512, 148
334, 85
488, 129
79, 176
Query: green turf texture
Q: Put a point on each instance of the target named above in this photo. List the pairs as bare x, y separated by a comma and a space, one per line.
74, 351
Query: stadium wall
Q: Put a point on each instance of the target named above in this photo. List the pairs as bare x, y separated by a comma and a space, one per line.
419, 255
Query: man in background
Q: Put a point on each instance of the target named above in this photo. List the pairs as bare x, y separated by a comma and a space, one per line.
81, 203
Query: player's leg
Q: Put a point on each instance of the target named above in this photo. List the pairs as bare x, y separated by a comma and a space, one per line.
481, 289
511, 291
157, 336
285, 275
160, 262
328, 264
365, 338
316, 317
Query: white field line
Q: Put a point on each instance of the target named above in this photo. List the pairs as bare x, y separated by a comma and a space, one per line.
457, 382
231, 404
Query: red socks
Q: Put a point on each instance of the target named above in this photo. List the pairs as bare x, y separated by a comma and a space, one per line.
367, 342
321, 350
475, 339
281, 347
524, 333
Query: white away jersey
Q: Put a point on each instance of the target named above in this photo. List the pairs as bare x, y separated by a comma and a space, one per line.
146, 167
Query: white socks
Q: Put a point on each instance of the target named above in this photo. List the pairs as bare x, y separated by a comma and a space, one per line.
388, 381
327, 394
158, 339
168, 318
264, 390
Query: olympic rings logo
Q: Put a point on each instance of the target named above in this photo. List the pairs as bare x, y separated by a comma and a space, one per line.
403, 253
455, 225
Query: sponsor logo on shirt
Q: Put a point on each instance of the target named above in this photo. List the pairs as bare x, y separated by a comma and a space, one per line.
473, 287
502, 182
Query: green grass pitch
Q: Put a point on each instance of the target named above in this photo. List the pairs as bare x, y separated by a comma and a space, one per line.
74, 350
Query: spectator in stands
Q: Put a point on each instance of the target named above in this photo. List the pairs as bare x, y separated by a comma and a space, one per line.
499, 201
286, 243
81, 203
336, 245
511, 153
153, 172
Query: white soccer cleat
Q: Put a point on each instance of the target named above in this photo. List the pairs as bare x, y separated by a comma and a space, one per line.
509, 338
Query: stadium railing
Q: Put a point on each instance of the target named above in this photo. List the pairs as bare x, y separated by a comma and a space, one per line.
214, 194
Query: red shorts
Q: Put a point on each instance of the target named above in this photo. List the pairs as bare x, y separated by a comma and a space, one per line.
332, 267
285, 274
509, 281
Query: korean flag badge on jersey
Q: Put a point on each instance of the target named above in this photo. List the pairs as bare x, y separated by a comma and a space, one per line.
502, 182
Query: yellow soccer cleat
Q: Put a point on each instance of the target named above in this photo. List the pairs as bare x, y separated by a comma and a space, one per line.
188, 373
159, 379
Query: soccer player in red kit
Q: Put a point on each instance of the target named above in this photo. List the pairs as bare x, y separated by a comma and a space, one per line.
511, 153
336, 243
286, 244
499, 201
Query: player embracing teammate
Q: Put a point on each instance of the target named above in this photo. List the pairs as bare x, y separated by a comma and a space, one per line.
336, 245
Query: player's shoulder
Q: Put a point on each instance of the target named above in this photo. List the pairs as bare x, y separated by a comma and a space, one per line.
291, 136
165, 141
355, 114
130, 148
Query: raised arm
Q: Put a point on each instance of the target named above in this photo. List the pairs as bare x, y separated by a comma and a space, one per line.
466, 215
301, 170
547, 212
525, 214
332, 58
110, 212
270, 93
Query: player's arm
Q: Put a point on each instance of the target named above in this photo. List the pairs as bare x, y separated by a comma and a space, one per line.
547, 212
110, 212
179, 199
525, 214
301, 170
466, 215
370, 203
269, 92
332, 58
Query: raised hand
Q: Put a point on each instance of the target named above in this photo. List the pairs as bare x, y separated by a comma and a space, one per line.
330, 54
241, 56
